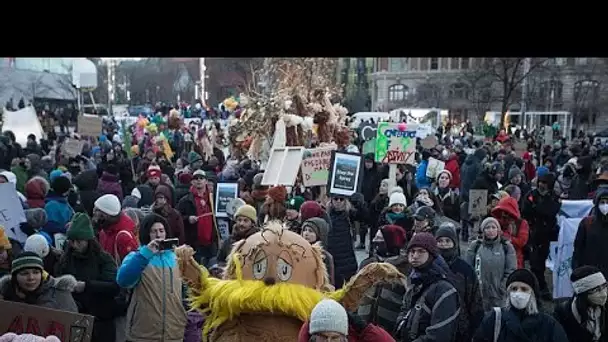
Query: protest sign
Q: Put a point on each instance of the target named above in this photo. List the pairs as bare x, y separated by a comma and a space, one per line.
73, 147
315, 166
434, 167
29, 319
11, 212
369, 146
478, 202
89, 125
225, 192
283, 166
223, 226
396, 143
429, 142
345, 173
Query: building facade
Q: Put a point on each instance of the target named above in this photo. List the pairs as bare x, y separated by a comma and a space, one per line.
354, 73
576, 85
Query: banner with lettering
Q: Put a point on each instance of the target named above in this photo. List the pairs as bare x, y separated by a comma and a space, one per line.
345, 173
315, 166
225, 192
396, 143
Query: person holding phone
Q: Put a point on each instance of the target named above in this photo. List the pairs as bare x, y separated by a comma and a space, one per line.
156, 311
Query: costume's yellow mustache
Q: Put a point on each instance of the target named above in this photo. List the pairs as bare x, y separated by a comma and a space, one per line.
224, 300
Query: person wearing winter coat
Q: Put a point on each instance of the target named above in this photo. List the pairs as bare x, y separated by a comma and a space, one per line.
514, 228
521, 318
395, 214
109, 183
95, 271
245, 225
163, 206
115, 228
431, 306
564, 181
472, 167
36, 190
405, 179
581, 185
182, 187
35, 167
376, 207
156, 312
467, 282
452, 166
58, 210
310, 209
87, 182
29, 284
422, 181
584, 316
371, 178
529, 168
493, 259
447, 196
592, 235
517, 177
329, 321
381, 304
340, 239
292, 214
316, 230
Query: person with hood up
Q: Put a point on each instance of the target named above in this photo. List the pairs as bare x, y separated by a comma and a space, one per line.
35, 168
517, 177
489, 178
329, 321
29, 284
58, 211
592, 236
529, 168
422, 181
514, 228
493, 259
472, 167
581, 185
447, 196
87, 182
36, 190
95, 271
310, 209
584, 316
540, 209
244, 226
431, 306
163, 206
109, 183
339, 239
316, 230
156, 311
381, 303
452, 166
182, 187
292, 214
200, 227
521, 318
115, 229
467, 282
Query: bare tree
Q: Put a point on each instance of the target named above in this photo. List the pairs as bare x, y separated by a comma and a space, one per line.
480, 93
34, 86
64, 82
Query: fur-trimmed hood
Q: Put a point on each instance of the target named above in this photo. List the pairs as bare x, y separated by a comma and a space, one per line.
65, 283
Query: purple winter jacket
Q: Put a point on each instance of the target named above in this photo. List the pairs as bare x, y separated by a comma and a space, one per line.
194, 327
110, 184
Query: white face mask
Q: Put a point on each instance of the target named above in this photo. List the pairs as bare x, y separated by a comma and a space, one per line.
519, 299
598, 298
603, 208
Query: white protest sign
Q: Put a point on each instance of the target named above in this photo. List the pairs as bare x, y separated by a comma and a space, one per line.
11, 212
434, 167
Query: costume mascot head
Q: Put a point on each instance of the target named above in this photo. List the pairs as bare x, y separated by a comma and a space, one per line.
273, 280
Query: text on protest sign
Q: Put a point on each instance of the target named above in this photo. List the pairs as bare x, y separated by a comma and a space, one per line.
315, 166
396, 143
11, 211
345, 176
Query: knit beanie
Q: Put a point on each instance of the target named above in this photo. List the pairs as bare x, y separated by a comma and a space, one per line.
248, 212
541, 171
184, 178
38, 244
61, 185
396, 189
447, 231
310, 209
525, 276
328, 316
130, 201
426, 241
55, 174
36, 218
108, 204
4, 242
278, 193
484, 224
394, 237
397, 198
257, 181
295, 203
81, 228
586, 278
26, 260
319, 226
515, 171
447, 172
194, 157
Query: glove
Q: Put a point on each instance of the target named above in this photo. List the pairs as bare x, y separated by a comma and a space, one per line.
356, 322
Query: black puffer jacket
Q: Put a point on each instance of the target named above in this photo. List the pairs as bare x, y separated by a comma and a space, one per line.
515, 328
575, 330
340, 246
87, 188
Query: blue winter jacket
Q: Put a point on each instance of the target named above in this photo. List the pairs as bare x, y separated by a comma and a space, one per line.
59, 213
422, 181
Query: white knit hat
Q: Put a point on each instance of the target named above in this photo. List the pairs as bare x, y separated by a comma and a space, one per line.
38, 244
397, 198
136, 193
328, 316
108, 204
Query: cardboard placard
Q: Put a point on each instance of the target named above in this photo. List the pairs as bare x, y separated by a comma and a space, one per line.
11, 212
434, 167
315, 166
89, 125
73, 147
396, 143
345, 175
225, 192
478, 202
29, 319
429, 142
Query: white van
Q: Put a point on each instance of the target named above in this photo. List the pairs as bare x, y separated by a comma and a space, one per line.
360, 117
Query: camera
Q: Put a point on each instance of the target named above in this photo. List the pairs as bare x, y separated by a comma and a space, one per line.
168, 244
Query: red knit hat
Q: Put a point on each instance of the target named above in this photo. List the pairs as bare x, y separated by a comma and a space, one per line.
185, 178
394, 236
278, 193
310, 209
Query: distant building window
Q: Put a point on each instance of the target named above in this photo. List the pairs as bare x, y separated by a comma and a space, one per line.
582, 61
398, 64
560, 61
454, 63
434, 63
464, 64
397, 92
586, 97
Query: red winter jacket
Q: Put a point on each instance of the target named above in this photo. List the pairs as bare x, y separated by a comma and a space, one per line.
122, 244
452, 166
372, 333
517, 235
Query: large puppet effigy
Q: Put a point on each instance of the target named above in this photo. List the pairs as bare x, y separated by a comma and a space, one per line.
271, 283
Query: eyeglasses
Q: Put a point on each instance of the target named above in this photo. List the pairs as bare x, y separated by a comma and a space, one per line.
599, 288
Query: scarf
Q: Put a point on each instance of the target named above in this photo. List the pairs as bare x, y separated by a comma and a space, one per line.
204, 225
393, 217
592, 324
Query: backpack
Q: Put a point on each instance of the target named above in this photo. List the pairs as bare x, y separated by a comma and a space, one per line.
497, 323
503, 242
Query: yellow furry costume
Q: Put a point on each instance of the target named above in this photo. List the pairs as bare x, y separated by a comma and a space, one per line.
272, 282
